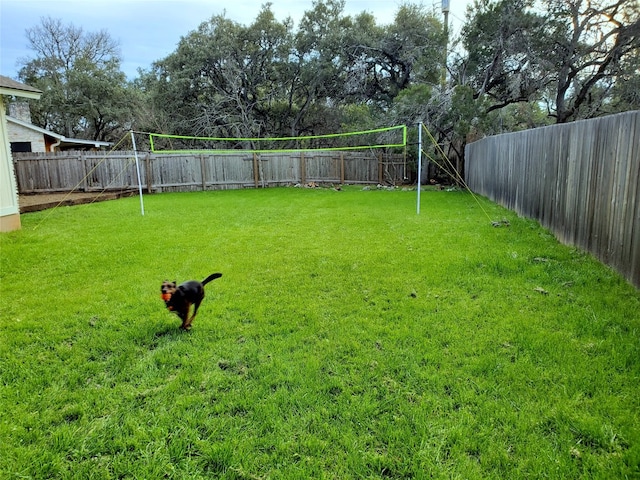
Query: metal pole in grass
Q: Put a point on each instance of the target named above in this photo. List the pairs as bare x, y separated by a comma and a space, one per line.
135, 154
419, 166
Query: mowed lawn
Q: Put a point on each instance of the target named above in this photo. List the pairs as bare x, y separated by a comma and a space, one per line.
348, 338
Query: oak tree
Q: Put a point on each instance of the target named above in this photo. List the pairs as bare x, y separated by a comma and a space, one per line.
85, 94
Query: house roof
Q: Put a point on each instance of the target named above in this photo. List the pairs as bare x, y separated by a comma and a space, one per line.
9, 86
64, 141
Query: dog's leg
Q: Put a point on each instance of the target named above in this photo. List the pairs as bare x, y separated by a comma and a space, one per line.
186, 324
195, 311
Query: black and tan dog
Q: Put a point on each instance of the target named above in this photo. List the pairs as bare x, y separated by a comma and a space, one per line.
179, 298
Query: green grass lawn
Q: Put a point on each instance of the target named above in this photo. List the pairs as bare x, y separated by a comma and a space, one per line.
348, 338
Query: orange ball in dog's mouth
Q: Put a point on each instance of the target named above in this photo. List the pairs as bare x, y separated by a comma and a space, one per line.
166, 297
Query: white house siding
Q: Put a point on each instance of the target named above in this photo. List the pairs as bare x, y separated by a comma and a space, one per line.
9, 211
9, 207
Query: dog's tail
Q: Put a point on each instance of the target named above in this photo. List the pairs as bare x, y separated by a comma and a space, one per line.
213, 276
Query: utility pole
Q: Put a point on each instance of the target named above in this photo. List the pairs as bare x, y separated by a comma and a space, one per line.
445, 12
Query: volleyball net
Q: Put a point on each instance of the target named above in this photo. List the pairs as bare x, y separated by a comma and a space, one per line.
387, 137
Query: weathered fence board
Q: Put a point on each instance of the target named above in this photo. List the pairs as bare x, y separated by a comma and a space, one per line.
361, 168
98, 171
580, 180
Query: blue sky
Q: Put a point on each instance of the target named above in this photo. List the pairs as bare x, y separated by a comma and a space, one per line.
149, 30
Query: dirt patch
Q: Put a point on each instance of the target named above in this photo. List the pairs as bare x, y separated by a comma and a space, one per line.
42, 201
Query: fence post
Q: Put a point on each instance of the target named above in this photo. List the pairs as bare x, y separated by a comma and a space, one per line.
149, 174
256, 172
203, 172
380, 169
303, 170
341, 168
85, 169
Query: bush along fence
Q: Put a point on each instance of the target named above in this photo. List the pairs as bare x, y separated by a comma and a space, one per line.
100, 171
580, 180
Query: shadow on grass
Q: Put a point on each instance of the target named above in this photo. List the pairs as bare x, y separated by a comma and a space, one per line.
170, 331
156, 335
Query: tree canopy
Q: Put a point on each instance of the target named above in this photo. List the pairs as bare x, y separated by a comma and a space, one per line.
267, 79
566, 54
85, 93
516, 64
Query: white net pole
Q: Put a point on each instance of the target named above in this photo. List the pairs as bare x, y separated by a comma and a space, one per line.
419, 167
135, 154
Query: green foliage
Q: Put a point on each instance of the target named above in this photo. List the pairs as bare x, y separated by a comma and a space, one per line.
358, 117
413, 103
515, 61
505, 43
516, 117
567, 54
348, 338
85, 95
266, 79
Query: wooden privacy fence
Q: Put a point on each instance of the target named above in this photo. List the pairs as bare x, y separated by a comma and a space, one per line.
99, 171
580, 180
